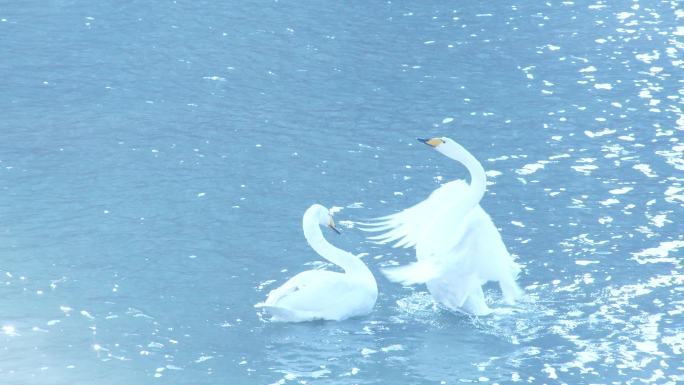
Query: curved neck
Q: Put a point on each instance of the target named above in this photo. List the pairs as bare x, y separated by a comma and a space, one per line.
346, 260
478, 179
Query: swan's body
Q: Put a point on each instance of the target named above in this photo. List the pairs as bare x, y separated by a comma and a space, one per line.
458, 248
320, 294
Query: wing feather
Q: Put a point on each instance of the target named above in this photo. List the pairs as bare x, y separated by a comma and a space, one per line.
406, 228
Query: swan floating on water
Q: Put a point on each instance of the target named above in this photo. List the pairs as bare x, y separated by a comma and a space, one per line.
321, 294
458, 248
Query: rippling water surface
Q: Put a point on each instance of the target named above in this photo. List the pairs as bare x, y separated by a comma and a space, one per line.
156, 158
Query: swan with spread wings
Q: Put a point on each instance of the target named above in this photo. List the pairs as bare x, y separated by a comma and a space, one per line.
458, 247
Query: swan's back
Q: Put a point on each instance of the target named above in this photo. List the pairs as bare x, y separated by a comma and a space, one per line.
321, 294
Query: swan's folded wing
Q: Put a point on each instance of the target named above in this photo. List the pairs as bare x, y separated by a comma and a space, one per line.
291, 287
406, 227
306, 289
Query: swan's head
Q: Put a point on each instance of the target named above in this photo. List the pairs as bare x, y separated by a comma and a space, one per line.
446, 146
324, 217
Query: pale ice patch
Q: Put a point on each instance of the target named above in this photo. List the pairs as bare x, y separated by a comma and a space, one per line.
517, 223
659, 220
355, 205
203, 358
585, 169
605, 131
659, 254
583, 262
621, 190
368, 351
609, 201
675, 156
263, 284
603, 86
675, 342
86, 314
648, 57
531, 168
550, 371
447, 120
588, 69
645, 169
10, 330
392, 348
672, 194
624, 15
605, 220
649, 347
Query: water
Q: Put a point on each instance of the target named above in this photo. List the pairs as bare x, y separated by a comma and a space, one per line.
156, 160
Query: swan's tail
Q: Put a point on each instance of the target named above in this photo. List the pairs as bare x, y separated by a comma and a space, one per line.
277, 313
414, 273
511, 291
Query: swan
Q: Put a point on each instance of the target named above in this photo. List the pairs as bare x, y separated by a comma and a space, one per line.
458, 247
321, 294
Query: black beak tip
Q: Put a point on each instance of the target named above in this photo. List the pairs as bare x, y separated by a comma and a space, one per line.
422, 140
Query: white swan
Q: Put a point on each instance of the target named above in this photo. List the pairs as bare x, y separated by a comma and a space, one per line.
320, 294
458, 248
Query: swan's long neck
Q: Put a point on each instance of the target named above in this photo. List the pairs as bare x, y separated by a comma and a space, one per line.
478, 179
346, 260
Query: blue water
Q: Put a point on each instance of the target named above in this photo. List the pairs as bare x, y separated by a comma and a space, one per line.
156, 158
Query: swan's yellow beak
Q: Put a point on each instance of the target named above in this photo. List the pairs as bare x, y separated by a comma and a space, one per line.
331, 224
434, 142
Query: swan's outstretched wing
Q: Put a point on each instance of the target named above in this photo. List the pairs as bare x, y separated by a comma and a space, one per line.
407, 227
